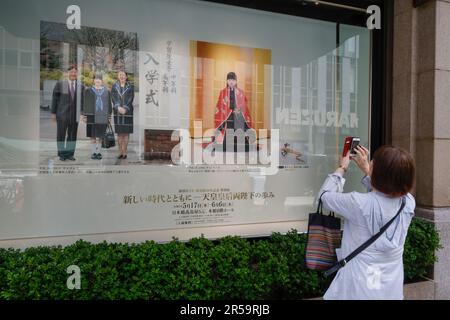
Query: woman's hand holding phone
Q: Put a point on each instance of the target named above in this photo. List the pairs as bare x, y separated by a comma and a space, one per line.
344, 162
362, 159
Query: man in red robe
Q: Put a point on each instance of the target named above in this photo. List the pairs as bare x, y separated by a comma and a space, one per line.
232, 111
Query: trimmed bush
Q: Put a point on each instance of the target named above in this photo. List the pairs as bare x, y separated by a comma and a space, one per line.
421, 245
229, 268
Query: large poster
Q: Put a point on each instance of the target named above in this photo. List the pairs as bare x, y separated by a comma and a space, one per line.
116, 129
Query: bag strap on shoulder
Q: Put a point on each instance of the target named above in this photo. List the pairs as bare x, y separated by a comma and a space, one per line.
365, 245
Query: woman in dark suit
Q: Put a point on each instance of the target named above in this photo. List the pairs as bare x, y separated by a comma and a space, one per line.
97, 111
122, 94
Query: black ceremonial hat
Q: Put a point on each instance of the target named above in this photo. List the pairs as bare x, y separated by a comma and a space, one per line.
231, 75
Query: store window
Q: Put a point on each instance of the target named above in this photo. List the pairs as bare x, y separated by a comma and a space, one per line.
166, 80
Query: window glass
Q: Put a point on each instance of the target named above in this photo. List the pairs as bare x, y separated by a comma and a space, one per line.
193, 69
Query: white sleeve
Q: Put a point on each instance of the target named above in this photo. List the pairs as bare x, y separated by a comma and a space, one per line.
367, 182
345, 204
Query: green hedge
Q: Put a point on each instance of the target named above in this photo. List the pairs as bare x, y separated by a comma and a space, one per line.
230, 268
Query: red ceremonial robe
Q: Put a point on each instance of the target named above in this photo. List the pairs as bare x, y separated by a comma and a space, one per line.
223, 110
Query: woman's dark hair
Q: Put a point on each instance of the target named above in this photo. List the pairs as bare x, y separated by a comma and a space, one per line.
393, 171
98, 75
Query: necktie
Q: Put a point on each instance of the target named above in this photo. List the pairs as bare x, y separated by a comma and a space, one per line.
72, 89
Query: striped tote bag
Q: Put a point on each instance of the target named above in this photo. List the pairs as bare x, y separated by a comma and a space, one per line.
324, 237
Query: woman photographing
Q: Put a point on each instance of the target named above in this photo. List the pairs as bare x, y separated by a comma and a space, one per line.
377, 272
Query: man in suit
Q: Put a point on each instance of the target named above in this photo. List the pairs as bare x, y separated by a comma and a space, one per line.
65, 113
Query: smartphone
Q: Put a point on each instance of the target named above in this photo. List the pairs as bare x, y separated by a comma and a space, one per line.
350, 144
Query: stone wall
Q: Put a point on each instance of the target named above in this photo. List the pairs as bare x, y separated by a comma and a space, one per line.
421, 113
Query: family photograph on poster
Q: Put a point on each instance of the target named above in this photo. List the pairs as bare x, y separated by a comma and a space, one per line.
87, 109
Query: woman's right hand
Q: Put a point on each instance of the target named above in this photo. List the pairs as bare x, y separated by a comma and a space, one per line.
121, 110
362, 159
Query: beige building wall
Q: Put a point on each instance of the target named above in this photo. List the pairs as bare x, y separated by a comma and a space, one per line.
421, 113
